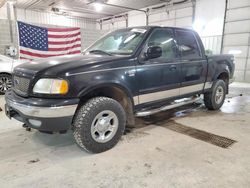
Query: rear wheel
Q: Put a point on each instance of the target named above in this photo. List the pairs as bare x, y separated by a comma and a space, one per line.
5, 83
99, 124
214, 100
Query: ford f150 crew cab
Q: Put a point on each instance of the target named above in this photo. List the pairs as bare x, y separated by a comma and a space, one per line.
129, 72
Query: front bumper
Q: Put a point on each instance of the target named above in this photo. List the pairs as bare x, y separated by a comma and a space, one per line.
52, 115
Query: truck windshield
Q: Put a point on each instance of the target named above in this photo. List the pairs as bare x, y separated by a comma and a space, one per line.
121, 42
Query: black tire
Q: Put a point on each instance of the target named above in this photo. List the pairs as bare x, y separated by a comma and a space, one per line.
84, 120
5, 79
210, 98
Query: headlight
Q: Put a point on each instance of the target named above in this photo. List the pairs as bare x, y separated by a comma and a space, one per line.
51, 86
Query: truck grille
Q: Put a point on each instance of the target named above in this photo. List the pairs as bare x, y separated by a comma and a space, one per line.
21, 85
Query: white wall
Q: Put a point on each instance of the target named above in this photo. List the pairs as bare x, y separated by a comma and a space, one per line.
173, 16
237, 37
136, 18
47, 18
3, 11
113, 24
209, 17
177, 15
53, 19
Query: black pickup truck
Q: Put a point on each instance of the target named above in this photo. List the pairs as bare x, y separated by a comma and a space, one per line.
129, 72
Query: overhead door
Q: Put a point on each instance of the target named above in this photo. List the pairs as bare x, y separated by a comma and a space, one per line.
236, 39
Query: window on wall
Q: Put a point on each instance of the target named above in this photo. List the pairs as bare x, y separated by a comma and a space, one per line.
164, 39
187, 45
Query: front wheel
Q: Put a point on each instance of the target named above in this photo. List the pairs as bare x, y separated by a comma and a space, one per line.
5, 83
214, 100
99, 124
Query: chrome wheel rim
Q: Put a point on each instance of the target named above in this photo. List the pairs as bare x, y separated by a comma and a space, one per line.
104, 126
219, 94
5, 84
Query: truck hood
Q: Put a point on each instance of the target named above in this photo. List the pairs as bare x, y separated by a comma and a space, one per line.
55, 66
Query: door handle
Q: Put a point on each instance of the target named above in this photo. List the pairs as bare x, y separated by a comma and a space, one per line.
172, 68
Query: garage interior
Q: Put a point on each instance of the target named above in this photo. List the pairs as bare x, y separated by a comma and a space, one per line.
189, 146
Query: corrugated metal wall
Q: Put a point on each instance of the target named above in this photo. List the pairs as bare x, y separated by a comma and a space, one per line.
47, 18
113, 24
176, 15
212, 43
237, 37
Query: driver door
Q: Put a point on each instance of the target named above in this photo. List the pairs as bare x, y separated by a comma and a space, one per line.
158, 78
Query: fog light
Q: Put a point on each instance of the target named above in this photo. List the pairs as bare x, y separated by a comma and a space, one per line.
35, 123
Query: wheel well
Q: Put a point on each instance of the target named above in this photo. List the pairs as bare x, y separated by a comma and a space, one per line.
115, 93
225, 77
5, 73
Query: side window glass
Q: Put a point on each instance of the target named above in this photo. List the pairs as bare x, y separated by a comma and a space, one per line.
163, 38
188, 45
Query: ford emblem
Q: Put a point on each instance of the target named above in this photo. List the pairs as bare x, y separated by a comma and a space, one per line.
16, 81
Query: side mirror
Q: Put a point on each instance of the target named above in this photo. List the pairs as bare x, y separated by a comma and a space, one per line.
153, 52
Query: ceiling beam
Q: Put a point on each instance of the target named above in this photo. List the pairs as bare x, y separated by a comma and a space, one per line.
124, 7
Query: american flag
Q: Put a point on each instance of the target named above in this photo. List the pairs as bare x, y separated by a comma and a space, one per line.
40, 42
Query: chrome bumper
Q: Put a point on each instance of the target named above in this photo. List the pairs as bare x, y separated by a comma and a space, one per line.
43, 112
51, 115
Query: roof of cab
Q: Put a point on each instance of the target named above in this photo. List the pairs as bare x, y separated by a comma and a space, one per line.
152, 27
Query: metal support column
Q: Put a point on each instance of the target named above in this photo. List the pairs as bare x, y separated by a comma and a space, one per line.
126, 19
100, 22
147, 16
193, 10
224, 24
247, 57
9, 6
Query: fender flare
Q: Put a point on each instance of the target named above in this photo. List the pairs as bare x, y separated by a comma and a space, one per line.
221, 72
87, 90
222, 68
6, 73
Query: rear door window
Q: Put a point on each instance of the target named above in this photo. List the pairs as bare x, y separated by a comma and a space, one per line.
187, 45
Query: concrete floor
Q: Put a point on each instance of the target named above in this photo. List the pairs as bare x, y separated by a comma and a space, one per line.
151, 155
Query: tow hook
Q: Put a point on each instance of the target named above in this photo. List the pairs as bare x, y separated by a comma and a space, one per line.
26, 127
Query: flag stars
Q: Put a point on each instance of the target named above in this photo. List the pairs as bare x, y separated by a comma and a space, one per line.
33, 37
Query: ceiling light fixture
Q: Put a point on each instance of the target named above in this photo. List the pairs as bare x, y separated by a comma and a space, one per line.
98, 6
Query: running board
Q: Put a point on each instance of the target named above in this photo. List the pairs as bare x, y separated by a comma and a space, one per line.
175, 104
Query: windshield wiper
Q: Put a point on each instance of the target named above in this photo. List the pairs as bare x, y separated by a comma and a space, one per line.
100, 52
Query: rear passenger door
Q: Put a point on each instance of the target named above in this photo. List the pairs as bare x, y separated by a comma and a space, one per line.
158, 78
193, 64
